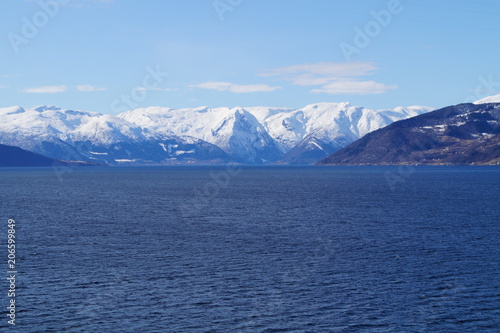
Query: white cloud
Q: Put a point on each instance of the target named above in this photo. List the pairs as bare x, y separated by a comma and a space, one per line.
235, 88
89, 88
355, 88
46, 89
326, 69
9, 75
334, 78
309, 80
4, 87
157, 89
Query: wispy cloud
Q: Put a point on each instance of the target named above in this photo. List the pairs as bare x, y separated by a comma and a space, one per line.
334, 78
9, 75
235, 88
326, 69
355, 88
89, 88
157, 89
46, 90
4, 87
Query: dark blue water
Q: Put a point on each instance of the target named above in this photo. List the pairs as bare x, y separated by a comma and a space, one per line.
270, 249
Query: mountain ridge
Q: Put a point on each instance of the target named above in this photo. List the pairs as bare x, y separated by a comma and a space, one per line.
158, 135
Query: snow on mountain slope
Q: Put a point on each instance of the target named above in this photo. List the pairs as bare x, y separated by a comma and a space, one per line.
336, 124
240, 134
309, 150
106, 130
68, 134
247, 135
53, 124
236, 130
195, 122
489, 99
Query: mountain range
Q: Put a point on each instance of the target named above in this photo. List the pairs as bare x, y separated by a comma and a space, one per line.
159, 135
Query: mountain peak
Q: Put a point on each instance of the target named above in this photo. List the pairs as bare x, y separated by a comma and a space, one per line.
11, 110
328, 105
489, 99
43, 108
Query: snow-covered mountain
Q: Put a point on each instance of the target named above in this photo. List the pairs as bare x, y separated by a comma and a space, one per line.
236, 131
90, 136
260, 134
161, 135
489, 99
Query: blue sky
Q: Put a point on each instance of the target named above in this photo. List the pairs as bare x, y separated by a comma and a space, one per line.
113, 55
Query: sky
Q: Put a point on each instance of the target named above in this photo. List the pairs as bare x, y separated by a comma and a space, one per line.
111, 56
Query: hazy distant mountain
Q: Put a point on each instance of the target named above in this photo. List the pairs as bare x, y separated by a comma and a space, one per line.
158, 135
460, 134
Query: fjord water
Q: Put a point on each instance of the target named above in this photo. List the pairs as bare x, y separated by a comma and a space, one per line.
257, 249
